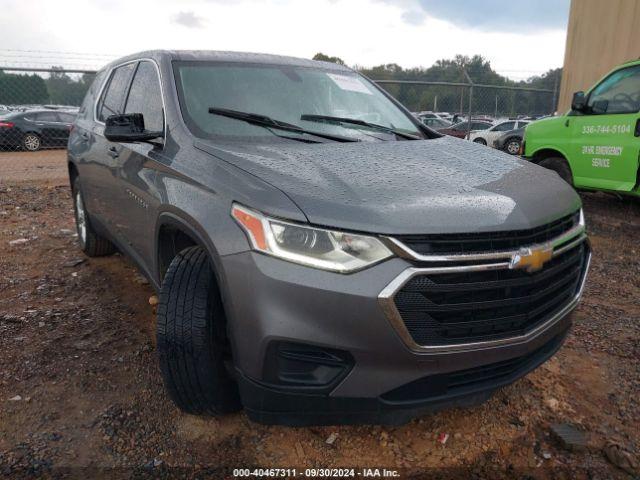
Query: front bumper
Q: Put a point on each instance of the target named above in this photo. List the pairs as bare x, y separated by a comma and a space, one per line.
269, 301
268, 405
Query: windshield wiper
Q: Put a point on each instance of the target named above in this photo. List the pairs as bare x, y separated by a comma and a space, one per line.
361, 123
268, 122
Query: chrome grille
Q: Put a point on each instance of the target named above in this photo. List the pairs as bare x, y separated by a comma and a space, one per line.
466, 307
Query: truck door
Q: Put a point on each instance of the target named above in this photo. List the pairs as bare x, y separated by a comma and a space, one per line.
605, 143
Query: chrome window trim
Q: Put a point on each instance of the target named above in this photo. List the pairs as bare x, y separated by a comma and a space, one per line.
386, 302
576, 233
107, 80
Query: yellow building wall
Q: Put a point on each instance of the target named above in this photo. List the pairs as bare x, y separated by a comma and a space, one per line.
601, 34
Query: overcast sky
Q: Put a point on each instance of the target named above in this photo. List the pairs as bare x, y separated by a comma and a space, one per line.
520, 37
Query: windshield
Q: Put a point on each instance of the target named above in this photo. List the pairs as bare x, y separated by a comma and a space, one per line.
284, 93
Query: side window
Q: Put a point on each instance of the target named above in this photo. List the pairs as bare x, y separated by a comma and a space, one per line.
47, 117
618, 93
522, 124
113, 95
145, 97
66, 117
505, 127
478, 126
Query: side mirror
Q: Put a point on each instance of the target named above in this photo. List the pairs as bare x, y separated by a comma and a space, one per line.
128, 128
579, 102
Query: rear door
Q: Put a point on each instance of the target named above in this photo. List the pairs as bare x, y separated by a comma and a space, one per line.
46, 125
605, 143
493, 133
64, 127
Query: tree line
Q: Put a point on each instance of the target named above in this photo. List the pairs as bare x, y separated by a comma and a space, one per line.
61, 88
57, 87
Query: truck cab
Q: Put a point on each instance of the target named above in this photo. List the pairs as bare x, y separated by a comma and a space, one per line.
596, 145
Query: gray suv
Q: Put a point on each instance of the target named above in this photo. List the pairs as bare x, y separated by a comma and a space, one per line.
321, 257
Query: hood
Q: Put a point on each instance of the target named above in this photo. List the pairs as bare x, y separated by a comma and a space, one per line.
548, 122
444, 185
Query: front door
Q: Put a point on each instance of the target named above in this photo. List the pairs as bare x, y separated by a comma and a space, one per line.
137, 165
605, 143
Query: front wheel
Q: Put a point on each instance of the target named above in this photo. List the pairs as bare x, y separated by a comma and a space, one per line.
192, 342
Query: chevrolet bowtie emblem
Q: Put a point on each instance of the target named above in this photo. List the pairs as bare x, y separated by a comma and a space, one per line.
531, 259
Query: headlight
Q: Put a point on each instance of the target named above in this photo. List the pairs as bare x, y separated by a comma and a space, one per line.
315, 247
581, 221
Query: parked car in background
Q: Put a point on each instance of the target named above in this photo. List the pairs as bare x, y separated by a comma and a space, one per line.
435, 123
489, 135
460, 129
445, 116
429, 114
510, 141
312, 267
35, 129
596, 145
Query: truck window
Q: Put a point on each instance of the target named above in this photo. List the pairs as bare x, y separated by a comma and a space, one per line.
618, 93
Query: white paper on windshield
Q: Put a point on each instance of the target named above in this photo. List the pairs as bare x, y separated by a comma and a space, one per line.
350, 83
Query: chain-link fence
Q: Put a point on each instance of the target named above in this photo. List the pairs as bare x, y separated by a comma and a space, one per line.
492, 115
38, 107
479, 100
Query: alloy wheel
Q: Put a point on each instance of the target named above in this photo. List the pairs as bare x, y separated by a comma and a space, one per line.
32, 142
513, 147
81, 218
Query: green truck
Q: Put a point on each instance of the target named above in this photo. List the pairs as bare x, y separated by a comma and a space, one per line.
596, 145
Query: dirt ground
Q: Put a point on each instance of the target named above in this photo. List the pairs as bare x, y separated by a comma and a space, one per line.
46, 166
81, 394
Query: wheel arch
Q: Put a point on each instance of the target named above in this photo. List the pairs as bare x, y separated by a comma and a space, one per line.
547, 152
72, 168
176, 230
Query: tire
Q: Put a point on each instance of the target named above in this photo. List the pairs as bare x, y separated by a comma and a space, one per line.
91, 243
560, 166
31, 142
481, 141
192, 342
512, 146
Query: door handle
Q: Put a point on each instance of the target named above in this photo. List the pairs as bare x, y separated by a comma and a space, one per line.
84, 136
113, 152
